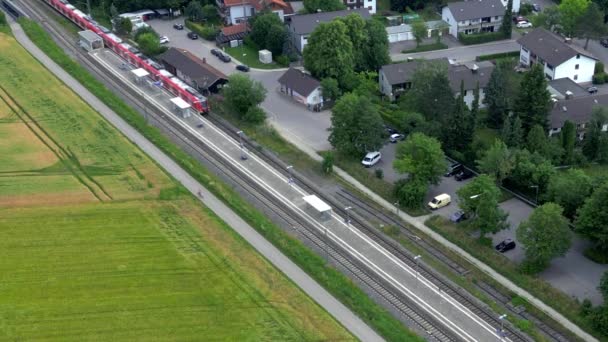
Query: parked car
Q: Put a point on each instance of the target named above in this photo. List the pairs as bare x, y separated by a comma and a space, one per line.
371, 159
592, 90
216, 52
463, 175
604, 42
536, 7
396, 137
505, 246
453, 169
192, 35
517, 19
390, 130
439, 201
242, 67
458, 216
164, 39
178, 26
524, 24
224, 57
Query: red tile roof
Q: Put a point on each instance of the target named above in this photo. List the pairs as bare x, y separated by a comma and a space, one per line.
258, 4
234, 29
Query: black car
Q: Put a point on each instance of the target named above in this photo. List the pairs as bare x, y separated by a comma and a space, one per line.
505, 246
592, 90
463, 175
242, 67
389, 130
604, 42
458, 216
224, 58
535, 7
178, 26
454, 169
216, 52
192, 35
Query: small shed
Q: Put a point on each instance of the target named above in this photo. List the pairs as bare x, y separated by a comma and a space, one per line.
90, 40
265, 56
316, 203
181, 107
140, 75
303, 88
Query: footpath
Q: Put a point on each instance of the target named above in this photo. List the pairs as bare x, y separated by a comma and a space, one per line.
340, 312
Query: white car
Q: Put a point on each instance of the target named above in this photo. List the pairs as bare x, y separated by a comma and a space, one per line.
371, 159
396, 137
164, 39
524, 24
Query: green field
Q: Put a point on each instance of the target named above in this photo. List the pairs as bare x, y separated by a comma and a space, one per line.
98, 243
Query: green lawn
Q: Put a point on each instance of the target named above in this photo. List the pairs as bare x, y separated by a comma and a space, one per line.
249, 56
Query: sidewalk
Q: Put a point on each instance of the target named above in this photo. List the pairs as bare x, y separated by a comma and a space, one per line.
305, 282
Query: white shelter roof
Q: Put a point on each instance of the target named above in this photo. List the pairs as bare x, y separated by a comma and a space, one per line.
181, 104
316, 203
140, 72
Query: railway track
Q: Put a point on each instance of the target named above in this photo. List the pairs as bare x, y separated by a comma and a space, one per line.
435, 331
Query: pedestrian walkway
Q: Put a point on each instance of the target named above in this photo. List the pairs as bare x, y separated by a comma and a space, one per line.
342, 314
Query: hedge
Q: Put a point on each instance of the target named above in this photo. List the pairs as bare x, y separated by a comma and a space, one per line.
478, 38
497, 56
205, 32
331, 279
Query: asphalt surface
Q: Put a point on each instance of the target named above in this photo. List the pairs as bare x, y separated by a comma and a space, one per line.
297, 275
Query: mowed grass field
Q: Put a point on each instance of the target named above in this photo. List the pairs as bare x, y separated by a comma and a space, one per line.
97, 243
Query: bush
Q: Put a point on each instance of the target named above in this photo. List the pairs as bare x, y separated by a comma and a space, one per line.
596, 255
600, 78
497, 56
327, 166
478, 38
410, 192
2, 19
209, 33
282, 60
599, 68
379, 173
145, 30
525, 9
255, 115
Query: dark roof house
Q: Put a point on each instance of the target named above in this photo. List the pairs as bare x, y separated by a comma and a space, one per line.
233, 32
550, 47
577, 110
193, 70
299, 81
306, 23
474, 9
565, 87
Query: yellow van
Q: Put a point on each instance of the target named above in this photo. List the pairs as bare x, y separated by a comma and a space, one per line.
439, 201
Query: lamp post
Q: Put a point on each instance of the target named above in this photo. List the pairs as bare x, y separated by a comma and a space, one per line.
417, 258
396, 204
501, 332
326, 245
290, 178
243, 154
535, 187
347, 221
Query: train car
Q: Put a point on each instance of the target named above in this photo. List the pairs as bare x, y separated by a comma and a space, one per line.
198, 102
12, 9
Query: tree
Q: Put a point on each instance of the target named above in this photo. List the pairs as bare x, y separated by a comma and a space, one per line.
549, 18
405, 5
591, 24
420, 30
194, 11
604, 286
376, 48
512, 133
123, 26
410, 192
569, 189
592, 218
531, 170
420, 156
113, 11
209, 12
568, 140
602, 149
458, 132
329, 52
243, 93
532, 103
255, 115
591, 142
497, 161
3, 21
268, 32
480, 198
475, 103
275, 40
496, 98
330, 89
544, 236
150, 44
356, 126
355, 29
409, 122
314, 6
537, 140
571, 12
507, 25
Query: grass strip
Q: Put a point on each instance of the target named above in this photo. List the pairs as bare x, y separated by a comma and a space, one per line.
427, 47
565, 305
334, 281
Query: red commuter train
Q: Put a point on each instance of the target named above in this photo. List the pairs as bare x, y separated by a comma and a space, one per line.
198, 102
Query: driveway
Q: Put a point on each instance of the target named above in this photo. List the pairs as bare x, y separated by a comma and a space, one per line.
307, 128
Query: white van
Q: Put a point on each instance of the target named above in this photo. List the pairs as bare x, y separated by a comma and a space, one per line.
439, 201
371, 159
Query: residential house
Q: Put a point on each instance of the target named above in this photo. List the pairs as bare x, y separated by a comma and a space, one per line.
403, 32
515, 6
370, 5
194, 71
395, 79
301, 26
565, 88
231, 33
473, 16
302, 87
558, 56
238, 11
577, 110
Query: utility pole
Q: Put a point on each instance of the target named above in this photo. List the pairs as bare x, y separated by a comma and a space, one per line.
347, 221
417, 258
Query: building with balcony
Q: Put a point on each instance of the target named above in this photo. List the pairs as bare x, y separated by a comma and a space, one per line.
558, 56
239, 11
370, 5
473, 16
578, 110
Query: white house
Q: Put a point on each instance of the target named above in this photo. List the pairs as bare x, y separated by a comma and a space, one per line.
403, 32
473, 16
558, 56
395, 79
516, 4
238, 11
302, 87
370, 5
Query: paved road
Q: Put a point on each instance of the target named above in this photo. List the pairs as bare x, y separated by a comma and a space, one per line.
462, 53
305, 282
292, 119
